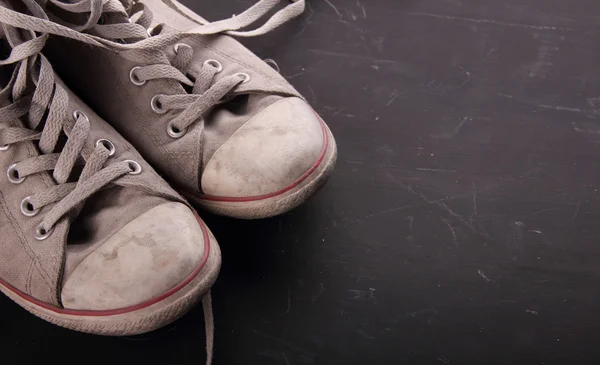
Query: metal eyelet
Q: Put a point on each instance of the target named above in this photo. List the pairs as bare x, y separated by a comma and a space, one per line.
27, 208
245, 77
5, 147
175, 132
150, 31
108, 145
79, 114
178, 45
271, 62
214, 63
155, 30
134, 79
135, 167
42, 233
155, 104
13, 175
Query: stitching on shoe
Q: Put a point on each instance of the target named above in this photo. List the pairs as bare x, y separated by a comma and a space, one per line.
29, 275
32, 256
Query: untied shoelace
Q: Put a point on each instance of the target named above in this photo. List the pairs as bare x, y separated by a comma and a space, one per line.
204, 93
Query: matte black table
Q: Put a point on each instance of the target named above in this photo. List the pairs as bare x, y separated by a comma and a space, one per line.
461, 225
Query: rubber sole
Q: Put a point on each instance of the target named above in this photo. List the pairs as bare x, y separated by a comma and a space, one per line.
138, 319
279, 202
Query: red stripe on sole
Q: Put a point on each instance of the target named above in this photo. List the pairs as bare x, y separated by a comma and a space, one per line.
281, 191
112, 312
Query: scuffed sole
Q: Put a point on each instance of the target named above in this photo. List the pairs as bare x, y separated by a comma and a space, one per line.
141, 318
281, 203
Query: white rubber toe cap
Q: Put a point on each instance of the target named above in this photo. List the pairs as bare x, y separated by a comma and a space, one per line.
268, 153
149, 256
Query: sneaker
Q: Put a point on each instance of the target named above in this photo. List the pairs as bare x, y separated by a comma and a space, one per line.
222, 126
93, 239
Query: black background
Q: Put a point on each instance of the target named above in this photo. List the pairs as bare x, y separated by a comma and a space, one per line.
461, 223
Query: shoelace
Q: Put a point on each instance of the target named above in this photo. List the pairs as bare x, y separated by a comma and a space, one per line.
135, 35
204, 95
32, 68
52, 99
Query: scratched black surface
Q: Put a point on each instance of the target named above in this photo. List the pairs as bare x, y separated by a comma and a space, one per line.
461, 224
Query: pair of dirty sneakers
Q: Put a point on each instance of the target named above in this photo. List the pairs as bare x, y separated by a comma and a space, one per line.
93, 238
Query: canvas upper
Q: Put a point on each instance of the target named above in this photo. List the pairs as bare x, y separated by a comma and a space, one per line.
86, 223
214, 119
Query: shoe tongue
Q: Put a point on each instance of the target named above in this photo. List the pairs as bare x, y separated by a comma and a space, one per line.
172, 12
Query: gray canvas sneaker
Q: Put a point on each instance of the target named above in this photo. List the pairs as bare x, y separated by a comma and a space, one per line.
92, 238
216, 121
